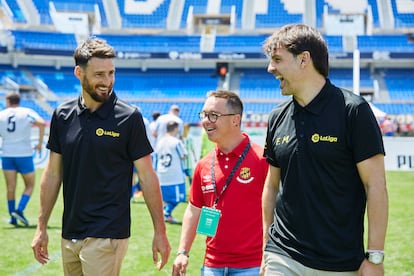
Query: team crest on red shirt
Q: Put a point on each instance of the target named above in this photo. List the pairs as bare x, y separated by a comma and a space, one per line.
245, 176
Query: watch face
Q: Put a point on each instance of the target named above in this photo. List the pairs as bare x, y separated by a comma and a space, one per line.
376, 258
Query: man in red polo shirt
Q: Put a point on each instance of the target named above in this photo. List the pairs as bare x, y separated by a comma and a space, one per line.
225, 195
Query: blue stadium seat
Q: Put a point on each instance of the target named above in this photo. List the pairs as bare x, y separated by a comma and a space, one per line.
32, 104
388, 43
334, 43
86, 6
343, 77
199, 7
277, 16
226, 6
403, 15
375, 14
15, 75
18, 16
396, 109
239, 43
151, 18
164, 84
153, 43
258, 84
46, 43
61, 81
320, 9
399, 84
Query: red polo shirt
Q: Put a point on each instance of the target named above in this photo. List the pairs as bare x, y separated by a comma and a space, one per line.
239, 236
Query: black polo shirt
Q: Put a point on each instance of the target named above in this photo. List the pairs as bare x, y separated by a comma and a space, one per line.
98, 150
320, 208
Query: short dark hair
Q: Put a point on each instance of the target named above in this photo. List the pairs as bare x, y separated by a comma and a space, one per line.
233, 100
171, 126
155, 115
92, 47
13, 98
297, 38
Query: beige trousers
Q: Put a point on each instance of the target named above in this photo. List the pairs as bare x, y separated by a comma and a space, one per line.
93, 256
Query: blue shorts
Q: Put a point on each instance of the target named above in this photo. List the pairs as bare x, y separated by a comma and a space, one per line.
173, 193
22, 165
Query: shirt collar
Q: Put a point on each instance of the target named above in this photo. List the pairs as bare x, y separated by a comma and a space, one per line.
237, 151
103, 111
317, 105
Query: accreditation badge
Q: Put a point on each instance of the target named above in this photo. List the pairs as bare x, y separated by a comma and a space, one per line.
208, 222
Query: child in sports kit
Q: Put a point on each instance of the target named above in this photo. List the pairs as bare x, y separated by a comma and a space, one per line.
170, 153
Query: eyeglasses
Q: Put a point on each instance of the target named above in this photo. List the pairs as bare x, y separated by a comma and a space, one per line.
213, 116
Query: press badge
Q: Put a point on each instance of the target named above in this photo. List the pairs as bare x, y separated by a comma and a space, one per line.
208, 222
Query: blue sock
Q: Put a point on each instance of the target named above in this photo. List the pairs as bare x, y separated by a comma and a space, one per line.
11, 205
23, 202
169, 207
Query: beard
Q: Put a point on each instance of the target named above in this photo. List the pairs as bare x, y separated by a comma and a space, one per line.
91, 91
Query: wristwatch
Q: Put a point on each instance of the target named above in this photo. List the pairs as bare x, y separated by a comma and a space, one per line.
183, 252
375, 256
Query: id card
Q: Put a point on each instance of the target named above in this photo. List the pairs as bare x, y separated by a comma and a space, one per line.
209, 219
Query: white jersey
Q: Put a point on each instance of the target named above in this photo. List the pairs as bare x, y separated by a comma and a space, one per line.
152, 130
15, 130
148, 130
169, 164
161, 125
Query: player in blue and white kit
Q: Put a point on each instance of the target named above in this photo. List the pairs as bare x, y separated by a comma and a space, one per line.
15, 129
170, 153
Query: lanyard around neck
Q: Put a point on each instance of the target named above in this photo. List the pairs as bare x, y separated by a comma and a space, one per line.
233, 171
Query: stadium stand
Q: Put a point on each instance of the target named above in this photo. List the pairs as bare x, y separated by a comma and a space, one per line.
165, 84
44, 43
84, 6
403, 11
277, 15
197, 7
258, 85
153, 43
144, 14
390, 43
159, 65
398, 82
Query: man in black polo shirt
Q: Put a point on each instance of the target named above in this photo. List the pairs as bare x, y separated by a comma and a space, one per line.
326, 158
95, 140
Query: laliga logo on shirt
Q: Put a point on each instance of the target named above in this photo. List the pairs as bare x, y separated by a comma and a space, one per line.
100, 132
318, 138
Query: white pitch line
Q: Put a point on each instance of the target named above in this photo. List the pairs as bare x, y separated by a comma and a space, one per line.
29, 270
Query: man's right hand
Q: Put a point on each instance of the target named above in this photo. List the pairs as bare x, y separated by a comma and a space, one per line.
180, 265
39, 246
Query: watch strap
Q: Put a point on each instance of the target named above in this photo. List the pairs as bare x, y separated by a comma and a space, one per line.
183, 252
